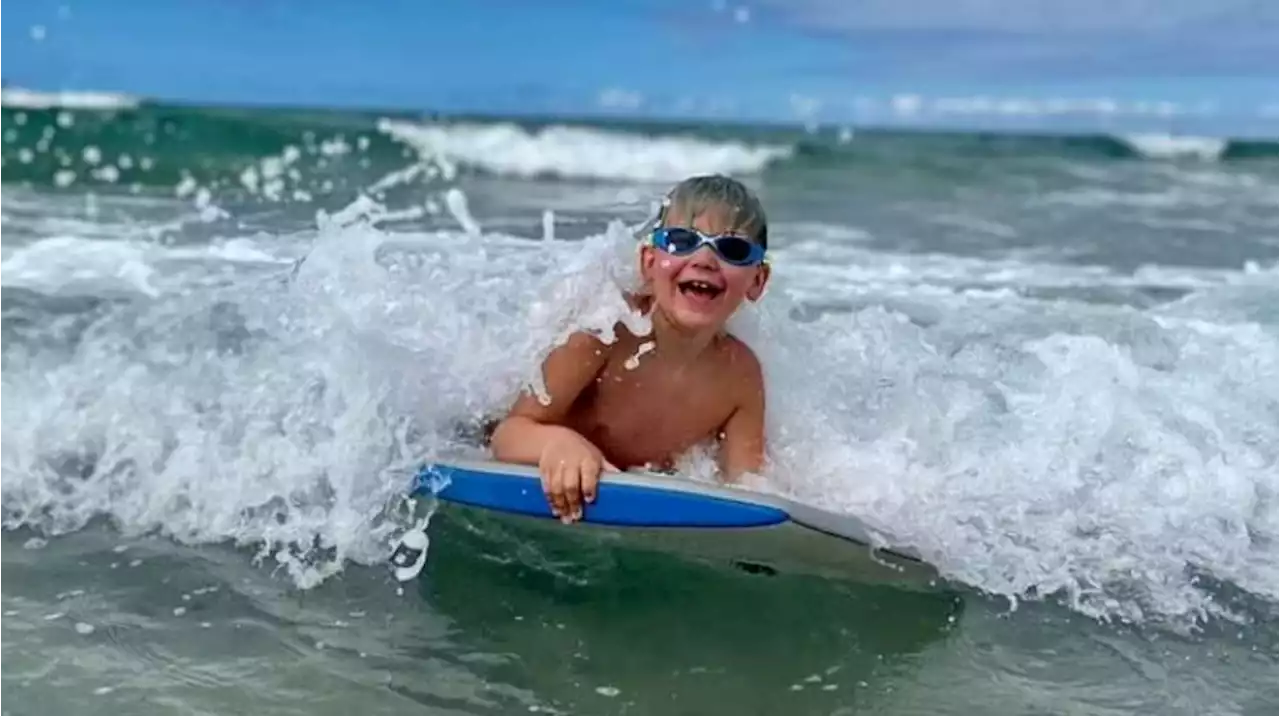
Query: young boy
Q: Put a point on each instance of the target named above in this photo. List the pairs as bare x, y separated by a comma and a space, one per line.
645, 399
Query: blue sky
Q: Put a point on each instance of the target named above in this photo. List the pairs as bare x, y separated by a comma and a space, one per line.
1159, 62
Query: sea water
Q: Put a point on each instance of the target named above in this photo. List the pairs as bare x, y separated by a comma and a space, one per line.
1049, 365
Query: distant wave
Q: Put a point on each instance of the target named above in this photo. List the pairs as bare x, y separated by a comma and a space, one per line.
18, 97
580, 152
1167, 146
866, 144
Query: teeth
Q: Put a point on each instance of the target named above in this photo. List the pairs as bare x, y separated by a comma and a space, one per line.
700, 286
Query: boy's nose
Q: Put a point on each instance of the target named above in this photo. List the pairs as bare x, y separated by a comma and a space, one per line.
705, 258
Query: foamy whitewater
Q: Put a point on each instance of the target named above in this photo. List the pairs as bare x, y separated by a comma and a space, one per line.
1016, 385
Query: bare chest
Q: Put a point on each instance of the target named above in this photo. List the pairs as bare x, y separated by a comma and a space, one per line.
643, 409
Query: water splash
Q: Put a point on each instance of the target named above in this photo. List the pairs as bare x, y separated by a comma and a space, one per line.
286, 411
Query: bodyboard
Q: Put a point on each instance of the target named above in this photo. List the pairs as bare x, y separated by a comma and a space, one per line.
753, 531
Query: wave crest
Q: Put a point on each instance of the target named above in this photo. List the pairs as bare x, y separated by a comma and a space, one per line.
1168, 146
30, 99
579, 152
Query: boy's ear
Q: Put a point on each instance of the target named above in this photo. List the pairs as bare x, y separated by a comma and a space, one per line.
756, 290
646, 258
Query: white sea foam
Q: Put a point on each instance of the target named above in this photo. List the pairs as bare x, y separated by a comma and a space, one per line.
1170, 146
578, 152
33, 99
60, 264
71, 266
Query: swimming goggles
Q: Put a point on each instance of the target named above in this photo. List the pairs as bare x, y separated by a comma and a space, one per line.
734, 250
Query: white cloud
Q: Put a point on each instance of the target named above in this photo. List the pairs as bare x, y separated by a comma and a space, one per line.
906, 104
1028, 16
805, 107
911, 105
617, 98
1066, 37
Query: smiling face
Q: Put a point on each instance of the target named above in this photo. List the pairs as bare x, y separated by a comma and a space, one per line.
700, 291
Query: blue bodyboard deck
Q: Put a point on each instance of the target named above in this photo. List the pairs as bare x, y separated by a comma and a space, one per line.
621, 500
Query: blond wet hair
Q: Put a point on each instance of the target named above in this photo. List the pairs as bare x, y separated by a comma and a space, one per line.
699, 194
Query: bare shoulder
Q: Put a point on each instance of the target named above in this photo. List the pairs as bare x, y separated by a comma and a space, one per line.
742, 437
583, 351
739, 356
742, 368
585, 343
566, 372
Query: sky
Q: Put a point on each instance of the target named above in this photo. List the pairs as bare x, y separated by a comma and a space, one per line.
1162, 63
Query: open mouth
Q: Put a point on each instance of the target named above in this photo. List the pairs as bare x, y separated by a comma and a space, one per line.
699, 289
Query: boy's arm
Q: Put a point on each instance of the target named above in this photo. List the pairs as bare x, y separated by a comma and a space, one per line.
742, 444
529, 425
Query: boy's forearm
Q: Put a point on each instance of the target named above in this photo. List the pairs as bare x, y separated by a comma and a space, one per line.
732, 470
521, 440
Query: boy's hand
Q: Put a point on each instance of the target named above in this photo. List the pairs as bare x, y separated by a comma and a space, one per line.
570, 467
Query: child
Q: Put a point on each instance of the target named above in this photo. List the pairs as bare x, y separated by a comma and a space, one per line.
644, 399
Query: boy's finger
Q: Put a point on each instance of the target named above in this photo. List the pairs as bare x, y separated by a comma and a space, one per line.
547, 477
590, 480
568, 481
556, 495
609, 467
573, 491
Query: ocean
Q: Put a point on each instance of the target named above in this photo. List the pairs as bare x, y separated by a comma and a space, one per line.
1046, 363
